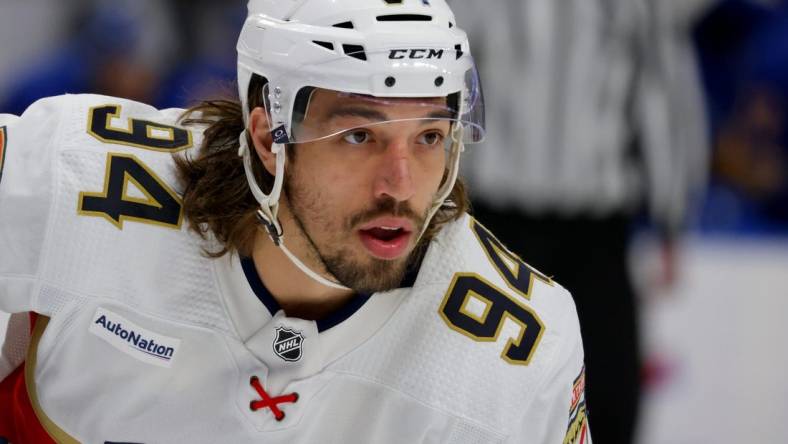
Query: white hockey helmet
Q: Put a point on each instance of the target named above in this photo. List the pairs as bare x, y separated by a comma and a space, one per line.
376, 49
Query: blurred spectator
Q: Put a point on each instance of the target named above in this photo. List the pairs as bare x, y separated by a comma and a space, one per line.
594, 114
106, 54
207, 33
28, 16
744, 52
186, 53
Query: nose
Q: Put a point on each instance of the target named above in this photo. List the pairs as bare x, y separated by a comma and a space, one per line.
394, 178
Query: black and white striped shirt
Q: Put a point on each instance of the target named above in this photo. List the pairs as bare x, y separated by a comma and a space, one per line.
570, 86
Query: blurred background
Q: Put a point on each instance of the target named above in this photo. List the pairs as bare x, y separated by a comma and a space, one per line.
637, 152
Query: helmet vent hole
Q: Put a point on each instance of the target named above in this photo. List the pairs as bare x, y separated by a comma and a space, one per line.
328, 45
346, 25
439, 81
458, 49
355, 51
404, 18
393, 2
390, 81
451, 25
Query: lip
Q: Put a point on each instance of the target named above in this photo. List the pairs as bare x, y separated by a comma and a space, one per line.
393, 222
387, 249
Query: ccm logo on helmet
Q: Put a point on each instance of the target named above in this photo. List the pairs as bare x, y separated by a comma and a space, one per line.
398, 54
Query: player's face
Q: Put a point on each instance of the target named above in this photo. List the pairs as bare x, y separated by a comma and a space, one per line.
360, 197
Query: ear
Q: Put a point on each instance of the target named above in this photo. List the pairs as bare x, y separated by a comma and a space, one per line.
261, 138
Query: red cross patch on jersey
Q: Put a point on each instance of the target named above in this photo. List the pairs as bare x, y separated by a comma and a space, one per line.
3, 139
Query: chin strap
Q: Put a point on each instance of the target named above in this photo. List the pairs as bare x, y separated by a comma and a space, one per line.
457, 147
269, 205
308, 271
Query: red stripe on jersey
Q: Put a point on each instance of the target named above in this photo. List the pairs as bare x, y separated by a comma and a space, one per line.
3, 140
33, 317
18, 422
584, 433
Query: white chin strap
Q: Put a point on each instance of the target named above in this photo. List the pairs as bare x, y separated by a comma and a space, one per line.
269, 205
457, 147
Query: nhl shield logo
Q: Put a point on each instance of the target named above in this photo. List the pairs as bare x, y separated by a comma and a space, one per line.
287, 344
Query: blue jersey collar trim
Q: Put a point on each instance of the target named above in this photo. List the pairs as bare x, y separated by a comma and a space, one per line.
265, 296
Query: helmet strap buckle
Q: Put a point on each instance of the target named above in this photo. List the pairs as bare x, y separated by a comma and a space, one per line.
273, 229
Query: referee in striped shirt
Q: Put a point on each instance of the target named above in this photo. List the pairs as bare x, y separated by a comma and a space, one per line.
594, 115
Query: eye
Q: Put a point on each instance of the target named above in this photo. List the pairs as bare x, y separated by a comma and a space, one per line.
357, 137
430, 138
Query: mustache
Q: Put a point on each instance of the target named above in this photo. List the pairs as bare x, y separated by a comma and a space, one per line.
387, 207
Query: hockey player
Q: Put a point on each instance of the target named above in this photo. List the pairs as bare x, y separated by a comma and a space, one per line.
296, 268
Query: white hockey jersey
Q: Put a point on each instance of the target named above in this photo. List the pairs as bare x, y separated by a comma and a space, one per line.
140, 338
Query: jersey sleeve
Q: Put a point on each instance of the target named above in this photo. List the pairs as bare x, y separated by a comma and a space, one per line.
26, 182
558, 414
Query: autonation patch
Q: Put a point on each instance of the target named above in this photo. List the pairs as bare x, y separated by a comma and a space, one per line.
134, 340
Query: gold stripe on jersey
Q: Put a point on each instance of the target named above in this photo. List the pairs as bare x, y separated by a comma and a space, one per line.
51, 428
577, 431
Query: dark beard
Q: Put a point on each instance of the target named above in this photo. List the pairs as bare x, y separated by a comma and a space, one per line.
377, 275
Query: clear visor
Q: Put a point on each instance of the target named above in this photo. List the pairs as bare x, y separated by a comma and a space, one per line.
451, 107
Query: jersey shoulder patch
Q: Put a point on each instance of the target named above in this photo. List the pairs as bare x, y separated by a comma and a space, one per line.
3, 140
577, 430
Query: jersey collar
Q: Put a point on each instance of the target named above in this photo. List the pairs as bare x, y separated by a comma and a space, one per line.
265, 296
251, 307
